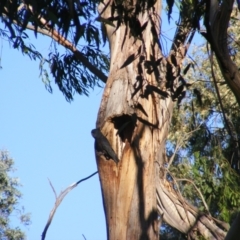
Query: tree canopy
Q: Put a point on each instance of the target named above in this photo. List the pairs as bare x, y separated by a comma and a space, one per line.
72, 24
202, 150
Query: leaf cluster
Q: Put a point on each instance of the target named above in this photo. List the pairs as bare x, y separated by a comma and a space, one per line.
191, 10
69, 23
65, 16
9, 196
67, 69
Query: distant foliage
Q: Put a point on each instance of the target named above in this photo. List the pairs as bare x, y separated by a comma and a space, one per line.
209, 136
9, 196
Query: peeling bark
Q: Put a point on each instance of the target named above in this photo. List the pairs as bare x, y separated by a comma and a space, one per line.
135, 115
186, 218
129, 188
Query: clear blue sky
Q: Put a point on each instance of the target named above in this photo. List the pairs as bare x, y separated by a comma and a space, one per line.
50, 138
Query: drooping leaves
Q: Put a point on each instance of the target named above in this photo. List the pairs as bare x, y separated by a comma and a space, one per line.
68, 23
170, 7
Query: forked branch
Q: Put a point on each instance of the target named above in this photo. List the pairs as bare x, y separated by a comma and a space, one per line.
59, 200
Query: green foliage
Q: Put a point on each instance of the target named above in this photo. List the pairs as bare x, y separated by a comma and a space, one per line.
208, 130
210, 152
9, 196
70, 23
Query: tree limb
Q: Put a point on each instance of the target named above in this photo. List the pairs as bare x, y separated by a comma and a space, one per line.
65, 43
216, 21
174, 214
68, 45
59, 200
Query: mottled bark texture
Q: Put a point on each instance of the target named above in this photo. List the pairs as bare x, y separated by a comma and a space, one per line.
135, 115
136, 125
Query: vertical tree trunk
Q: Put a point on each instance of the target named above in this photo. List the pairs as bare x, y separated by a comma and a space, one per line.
135, 120
134, 116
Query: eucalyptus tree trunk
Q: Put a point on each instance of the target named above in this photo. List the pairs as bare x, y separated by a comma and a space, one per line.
135, 115
135, 120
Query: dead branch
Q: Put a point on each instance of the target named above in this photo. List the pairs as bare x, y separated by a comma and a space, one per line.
59, 200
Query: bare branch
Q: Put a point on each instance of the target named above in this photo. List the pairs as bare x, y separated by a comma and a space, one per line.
181, 198
52, 188
198, 190
179, 145
174, 214
59, 200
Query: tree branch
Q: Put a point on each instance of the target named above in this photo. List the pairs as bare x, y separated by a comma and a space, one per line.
59, 200
67, 44
175, 213
197, 189
216, 22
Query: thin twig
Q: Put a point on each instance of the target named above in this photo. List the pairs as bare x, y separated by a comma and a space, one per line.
174, 154
52, 188
179, 144
198, 190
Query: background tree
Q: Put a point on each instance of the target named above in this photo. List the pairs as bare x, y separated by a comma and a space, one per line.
138, 100
9, 197
209, 139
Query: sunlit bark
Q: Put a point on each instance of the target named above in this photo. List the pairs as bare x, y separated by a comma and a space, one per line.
135, 119
178, 213
129, 188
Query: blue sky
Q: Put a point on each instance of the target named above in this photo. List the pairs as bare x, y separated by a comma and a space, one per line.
50, 138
